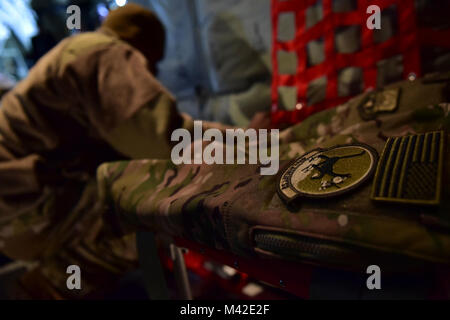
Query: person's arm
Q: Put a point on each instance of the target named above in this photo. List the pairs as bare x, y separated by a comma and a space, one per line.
147, 133
124, 103
134, 113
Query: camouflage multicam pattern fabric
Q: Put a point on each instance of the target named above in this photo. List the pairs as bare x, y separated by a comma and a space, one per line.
222, 205
70, 229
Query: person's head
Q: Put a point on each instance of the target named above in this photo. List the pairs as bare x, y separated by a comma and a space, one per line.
140, 28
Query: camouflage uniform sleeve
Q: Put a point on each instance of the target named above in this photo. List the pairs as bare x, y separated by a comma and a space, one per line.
112, 84
132, 111
147, 133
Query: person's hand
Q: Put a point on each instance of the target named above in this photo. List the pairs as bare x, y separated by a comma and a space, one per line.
261, 120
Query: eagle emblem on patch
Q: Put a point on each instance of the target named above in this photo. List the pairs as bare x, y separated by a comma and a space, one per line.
329, 172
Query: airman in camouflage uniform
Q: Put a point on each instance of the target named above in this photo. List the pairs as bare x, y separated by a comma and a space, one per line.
93, 98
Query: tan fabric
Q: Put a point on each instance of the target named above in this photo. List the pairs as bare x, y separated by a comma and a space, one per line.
136, 137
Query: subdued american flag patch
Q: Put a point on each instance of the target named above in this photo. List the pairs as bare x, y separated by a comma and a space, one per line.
411, 169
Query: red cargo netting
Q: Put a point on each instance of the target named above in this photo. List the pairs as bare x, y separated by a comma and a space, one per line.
406, 41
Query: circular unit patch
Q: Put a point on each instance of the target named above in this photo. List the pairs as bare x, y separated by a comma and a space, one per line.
323, 173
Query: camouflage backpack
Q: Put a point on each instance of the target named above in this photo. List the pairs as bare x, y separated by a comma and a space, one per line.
365, 181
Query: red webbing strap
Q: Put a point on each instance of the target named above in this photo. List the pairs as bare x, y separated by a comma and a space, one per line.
406, 41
